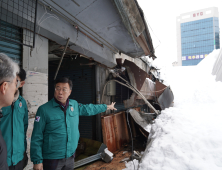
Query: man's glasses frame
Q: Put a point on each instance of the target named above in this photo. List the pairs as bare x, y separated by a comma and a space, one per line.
60, 89
4, 82
17, 84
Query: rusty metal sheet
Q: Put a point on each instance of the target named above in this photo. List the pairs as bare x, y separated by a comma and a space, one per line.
147, 90
115, 131
121, 130
159, 88
138, 74
137, 78
119, 61
109, 137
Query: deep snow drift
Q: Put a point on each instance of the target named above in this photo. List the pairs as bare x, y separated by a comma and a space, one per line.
187, 136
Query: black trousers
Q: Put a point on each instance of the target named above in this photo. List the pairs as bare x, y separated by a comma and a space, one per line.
20, 165
59, 164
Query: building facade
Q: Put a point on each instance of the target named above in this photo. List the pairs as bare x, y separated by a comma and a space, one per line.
82, 41
198, 34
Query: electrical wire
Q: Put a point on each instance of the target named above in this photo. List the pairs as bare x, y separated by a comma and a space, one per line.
133, 89
138, 92
40, 23
152, 31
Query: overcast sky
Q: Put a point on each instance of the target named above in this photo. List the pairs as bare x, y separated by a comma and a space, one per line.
161, 17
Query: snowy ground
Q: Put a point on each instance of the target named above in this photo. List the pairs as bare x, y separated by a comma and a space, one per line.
187, 136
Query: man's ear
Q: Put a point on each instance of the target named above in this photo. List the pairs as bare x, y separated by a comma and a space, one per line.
70, 92
22, 84
3, 88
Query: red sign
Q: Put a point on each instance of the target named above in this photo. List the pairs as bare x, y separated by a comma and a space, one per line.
197, 14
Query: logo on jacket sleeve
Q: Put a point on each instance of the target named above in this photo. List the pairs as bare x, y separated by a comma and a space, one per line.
37, 118
20, 104
72, 109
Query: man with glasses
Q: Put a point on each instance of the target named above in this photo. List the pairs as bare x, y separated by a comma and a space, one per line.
8, 82
55, 135
14, 124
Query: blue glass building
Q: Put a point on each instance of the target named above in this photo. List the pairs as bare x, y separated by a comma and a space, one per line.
199, 36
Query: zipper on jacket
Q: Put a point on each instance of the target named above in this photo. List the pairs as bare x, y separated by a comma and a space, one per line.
12, 106
63, 109
66, 131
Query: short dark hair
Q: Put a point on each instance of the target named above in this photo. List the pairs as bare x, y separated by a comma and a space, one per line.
64, 80
22, 74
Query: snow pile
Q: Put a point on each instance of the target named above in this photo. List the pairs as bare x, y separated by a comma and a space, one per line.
188, 136
132, 165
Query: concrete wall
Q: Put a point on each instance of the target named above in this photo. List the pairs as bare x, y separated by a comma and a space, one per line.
35, 63
35, 90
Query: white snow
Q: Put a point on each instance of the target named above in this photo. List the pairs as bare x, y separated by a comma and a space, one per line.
188, 136
132, 165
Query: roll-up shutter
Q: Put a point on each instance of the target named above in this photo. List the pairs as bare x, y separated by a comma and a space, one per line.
10, 48
83, 92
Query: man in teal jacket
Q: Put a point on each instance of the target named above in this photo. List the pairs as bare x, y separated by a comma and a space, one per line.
8, 86
55, 135
14, 124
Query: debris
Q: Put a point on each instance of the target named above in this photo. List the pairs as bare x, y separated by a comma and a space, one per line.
124, 160
124, 152
107, 156
137, 153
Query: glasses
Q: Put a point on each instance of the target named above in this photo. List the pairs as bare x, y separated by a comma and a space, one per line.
3, 82
18, 83
63, 90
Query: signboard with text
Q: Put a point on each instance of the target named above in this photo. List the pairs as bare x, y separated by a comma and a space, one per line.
194, 57
198, 14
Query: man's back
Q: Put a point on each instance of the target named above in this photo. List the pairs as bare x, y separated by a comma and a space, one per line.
14, 125
3, 154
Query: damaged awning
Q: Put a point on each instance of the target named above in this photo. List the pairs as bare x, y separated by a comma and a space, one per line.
147, 89
96, 28
133, 18
151, 90
141, 121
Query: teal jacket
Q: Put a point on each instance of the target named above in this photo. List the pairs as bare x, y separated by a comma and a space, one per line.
56, 135
13, 125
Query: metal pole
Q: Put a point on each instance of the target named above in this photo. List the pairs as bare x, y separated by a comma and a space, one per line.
36, 5
61, 58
